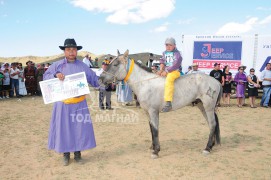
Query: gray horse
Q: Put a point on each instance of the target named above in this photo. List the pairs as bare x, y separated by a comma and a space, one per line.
149, 89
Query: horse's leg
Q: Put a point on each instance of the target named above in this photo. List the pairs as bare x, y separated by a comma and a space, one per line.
202, 110
212, 125
154, 127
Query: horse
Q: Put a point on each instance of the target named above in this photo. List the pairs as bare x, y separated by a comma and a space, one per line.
149, 89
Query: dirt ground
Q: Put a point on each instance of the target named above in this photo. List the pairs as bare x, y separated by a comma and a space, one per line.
123, 140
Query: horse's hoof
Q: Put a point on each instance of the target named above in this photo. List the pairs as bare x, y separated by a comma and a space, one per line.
154, 156
205, 152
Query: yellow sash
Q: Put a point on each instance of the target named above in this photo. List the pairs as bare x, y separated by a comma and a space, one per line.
74, 100
131, 68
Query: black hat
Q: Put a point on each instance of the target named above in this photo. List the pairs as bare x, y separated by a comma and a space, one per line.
216, 64
70, 43
28, 62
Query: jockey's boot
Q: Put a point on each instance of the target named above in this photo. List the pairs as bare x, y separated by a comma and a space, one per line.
77, 157
66, 159
167, 107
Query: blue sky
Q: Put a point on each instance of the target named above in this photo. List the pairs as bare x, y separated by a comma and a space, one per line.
38, 27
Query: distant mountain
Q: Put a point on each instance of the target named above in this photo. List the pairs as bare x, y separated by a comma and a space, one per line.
144, 57
42, 59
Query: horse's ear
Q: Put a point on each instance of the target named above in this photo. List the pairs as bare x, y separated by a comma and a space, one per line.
126, 53
118, 52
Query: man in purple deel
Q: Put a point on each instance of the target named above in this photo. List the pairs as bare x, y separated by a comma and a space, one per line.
71, 129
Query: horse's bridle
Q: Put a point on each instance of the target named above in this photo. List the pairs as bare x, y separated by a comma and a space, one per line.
115, 76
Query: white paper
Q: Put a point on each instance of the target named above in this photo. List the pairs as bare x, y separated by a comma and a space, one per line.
74, 85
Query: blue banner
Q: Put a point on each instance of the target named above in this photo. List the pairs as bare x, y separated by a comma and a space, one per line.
218, 51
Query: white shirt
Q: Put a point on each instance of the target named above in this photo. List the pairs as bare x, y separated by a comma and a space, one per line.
87, 62
266, 74
6, 80
194, 72
99, 72
14, 71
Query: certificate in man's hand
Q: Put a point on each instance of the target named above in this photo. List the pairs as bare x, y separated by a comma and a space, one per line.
74, 85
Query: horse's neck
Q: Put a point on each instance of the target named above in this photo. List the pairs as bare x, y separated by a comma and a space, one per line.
138, 75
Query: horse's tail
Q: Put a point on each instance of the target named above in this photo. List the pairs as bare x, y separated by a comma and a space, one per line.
219, 95
217, 130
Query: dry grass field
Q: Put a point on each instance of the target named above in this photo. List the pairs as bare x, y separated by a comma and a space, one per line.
123, 140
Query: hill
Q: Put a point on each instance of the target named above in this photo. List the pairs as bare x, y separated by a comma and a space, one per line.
144, 57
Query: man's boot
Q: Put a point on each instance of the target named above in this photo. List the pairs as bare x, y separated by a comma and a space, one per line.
77, 157
168, 107
66, 159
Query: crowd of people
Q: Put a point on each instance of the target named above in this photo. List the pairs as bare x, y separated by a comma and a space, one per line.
18, 81
242, 81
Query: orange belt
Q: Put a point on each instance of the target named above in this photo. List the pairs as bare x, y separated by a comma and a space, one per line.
74, 100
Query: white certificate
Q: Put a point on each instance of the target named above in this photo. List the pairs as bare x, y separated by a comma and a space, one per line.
74, 85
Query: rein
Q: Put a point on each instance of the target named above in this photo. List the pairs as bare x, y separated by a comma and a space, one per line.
129, 69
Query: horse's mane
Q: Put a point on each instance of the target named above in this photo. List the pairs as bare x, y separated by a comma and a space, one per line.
144, 67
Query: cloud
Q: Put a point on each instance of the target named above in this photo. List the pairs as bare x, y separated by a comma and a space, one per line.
241, 28
128, 11
2, 2
162, 28
22, 21
266, 20
263, 8
186, 21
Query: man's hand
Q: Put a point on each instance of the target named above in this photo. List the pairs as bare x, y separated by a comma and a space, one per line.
60, 76
164, 74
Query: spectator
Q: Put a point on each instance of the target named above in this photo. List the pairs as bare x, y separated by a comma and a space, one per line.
241, 79
124, 94
14, 76
22, 88
87, 60
39, 75
217, 73
253, 84
106, 60
110, 59
154, 68
227, 85
149, 63
6, 82
1, 84
181, 70
96, 62
30, 78
104, 93
188, 70
195, 69
47, 66
266, 77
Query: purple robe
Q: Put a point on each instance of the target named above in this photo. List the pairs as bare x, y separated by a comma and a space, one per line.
240, 79
71, 127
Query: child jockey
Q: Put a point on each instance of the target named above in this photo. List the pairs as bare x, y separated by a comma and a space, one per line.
169, 68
